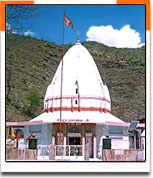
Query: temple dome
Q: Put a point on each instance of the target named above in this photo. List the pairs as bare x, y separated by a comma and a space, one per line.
82, 89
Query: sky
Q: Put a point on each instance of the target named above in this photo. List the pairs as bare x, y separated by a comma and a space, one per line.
113, 25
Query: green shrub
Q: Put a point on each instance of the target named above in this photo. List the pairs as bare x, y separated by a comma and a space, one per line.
31, 103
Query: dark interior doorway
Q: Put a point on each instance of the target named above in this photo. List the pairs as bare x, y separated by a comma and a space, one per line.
74, 141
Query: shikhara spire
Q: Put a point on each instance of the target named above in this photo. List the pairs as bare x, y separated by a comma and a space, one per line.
83, 88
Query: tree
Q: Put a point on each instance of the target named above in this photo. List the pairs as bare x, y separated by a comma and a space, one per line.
17, 15
31, 103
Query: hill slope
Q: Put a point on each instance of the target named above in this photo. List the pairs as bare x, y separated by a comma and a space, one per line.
31, 64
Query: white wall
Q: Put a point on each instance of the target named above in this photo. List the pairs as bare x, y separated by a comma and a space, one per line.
120, 142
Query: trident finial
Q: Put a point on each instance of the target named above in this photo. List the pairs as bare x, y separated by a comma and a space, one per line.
78, 36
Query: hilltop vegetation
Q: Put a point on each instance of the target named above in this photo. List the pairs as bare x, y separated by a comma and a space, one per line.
31, 64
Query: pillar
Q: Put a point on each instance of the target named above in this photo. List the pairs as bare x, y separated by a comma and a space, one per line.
53, 140
83, 146
95, 147
52, 149
135, 142
64, 145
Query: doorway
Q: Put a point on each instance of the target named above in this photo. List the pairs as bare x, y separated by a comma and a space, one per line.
74, 141
75, 146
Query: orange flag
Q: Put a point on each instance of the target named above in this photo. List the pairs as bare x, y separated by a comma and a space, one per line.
67, 21
12, 134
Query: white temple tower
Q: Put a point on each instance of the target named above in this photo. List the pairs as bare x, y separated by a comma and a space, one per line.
83, 88
85, 98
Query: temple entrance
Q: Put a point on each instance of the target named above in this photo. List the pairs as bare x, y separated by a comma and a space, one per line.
78, 141
75, 146
74, 141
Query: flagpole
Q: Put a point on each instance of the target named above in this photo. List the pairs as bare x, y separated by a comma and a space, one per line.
62, 79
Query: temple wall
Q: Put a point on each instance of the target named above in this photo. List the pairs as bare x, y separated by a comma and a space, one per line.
42, 133
46, 134
119, 135
112, 131
26, 131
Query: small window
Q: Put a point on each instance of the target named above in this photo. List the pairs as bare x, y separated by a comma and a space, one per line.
76, 102
107, 143
76, 91
32, 143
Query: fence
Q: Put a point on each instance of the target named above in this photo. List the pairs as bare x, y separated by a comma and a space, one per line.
74, 152
43, 152
123, 155
68, 150
26, 154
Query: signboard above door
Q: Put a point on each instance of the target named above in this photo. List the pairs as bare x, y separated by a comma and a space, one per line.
74, 134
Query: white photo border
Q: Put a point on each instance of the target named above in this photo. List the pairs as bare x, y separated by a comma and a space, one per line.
75, 166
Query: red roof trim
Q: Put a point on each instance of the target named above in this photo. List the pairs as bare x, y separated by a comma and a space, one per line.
23, 123
124, 124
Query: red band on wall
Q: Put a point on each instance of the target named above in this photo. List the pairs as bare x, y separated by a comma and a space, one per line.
76, 109
80, 98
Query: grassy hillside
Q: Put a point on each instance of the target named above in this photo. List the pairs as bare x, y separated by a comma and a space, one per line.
31, 64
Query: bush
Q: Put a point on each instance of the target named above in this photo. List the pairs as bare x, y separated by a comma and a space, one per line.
137, 63
31, 103
9, 53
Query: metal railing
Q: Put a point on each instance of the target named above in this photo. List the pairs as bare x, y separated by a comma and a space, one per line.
68, 150
43, 151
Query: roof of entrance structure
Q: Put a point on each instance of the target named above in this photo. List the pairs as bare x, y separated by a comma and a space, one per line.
77, 117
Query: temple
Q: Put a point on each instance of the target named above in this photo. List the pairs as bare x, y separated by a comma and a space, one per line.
76, 123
